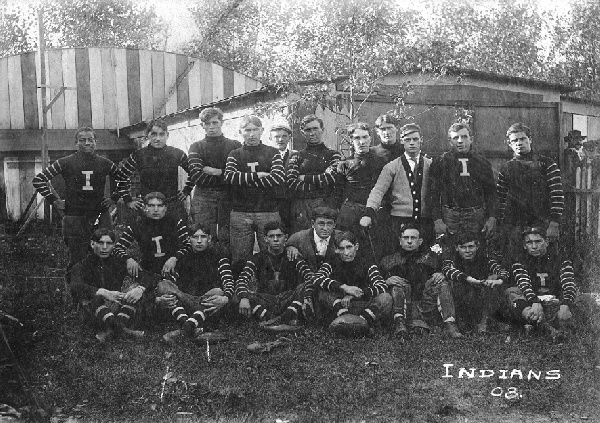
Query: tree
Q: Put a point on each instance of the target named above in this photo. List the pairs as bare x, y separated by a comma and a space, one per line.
95, 23
13, 30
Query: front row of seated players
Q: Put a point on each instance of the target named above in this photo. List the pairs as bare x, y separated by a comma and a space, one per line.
194, 280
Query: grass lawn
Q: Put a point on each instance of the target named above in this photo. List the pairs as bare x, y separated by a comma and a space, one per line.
313, 378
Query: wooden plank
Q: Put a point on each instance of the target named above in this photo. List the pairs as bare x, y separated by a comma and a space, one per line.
109, 89
120, 60
58, 140
26, 174
239, 83
30, 104
4, 97
133, 86
146, 84
252, 84
206, 82
170, 62
158, 82
39, 197
84, 94
194, 81
228, 83
48, 94
13, 194
183, 93
217, 82
96, 88
56, 80
70, 80
15, 93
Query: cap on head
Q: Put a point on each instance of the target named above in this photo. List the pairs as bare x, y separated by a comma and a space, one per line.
535, 230
409, 129
574, 135
282, 126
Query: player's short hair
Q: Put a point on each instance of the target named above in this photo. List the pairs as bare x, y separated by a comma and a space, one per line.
457, 126
100, 232
344, 236
200, 226
155, 195
84, 129
518, 127
324, 212
209, 113
409, 128
462, 237
534, 230
251, 119
161, 123
273, 226
386, 119
408, 226
311, 118
358, 125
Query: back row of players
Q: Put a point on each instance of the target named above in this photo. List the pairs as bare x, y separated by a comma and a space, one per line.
391, 198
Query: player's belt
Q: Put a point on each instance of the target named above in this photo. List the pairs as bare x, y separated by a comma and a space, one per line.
464, 209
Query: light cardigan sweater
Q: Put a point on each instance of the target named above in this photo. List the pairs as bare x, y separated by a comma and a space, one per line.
393, 177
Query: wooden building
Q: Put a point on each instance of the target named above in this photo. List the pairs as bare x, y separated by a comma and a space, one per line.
106, 88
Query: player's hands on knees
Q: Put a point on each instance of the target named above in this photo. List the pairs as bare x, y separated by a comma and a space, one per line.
59, 203
181, 195
114, 296
437, 278
396, 281
166, 301
564, 313
245, 307
169, 266
133, 295
346, 301
292, 253
365, 221
538, 312
489, 227
136, 204
354, 291
308, 308
133, 268
215, 303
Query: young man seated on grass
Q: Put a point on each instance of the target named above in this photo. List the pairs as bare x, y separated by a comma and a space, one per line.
99, 282
351, 285
281, 284
162, 241
416, 286
475, 280
203, 284
546, 294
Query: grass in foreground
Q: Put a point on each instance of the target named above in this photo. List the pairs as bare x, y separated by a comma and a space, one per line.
315, 378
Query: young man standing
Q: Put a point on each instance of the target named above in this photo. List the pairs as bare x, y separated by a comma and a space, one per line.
351, 284
387, 131
462, 187
254, 171
85, 175
211, 202
311, 174
356, 178
281, 283
418, 290
475, 279
407, 177
281, 135
97, 283
203, 284
530, 191
158, 166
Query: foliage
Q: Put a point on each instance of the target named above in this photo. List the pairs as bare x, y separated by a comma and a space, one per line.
13, 30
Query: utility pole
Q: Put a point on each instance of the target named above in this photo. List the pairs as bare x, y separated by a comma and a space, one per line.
42, 50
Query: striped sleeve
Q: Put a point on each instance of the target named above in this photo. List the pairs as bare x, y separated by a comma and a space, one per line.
184, 240
567, 283
124, 243
293, 172
185, 165
557, 198
523, 281
276, 175
234, 176
452, 273
328, 177
196, 174
323, 279
122, 185
41, 182
226, 276
243, 281
497, 269
128, 166
306, 276
502, 191
376, 283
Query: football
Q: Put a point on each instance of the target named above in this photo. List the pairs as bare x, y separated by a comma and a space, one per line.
350, 325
